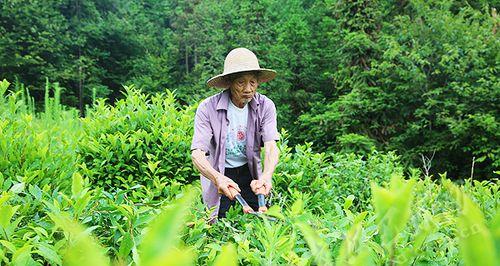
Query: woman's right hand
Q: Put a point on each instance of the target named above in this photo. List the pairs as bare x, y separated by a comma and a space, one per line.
223, 183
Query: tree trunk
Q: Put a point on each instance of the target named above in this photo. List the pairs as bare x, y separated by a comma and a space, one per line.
186, 58
195, 55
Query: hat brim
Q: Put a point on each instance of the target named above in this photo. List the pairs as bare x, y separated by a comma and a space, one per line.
220, 81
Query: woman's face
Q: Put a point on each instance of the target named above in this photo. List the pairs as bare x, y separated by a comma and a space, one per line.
243, 89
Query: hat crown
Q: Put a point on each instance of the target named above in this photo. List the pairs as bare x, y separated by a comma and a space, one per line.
240, 59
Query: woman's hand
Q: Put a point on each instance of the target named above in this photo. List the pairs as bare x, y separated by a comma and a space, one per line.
223, 183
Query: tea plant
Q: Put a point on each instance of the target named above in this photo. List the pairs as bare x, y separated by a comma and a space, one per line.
36, 148
118, 188
141, 140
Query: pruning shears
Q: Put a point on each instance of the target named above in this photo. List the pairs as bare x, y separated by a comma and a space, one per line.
247, 208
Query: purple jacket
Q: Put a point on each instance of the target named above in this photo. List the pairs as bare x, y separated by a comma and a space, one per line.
210, 130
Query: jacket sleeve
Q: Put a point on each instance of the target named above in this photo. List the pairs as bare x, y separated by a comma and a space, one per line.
269, 123
202, 130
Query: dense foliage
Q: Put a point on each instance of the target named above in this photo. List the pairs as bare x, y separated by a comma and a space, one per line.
331, 208
422, 80
138, 137
417, 77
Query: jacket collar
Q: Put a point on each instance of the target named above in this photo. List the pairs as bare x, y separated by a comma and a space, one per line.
223, 102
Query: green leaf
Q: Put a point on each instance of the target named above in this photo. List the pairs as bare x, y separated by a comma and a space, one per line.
126, 246
174, 257
22, 257
83, 249
47, 251
4, 198
424, 235
153, 165
318, 247
8, 245
35, 191
275, 211
392, 208
17, 188
348, 202
297, 207
475, 240
6, 214
4, 84
82, 202
77, 184
352, 250
495, 229
163, 234
227, 257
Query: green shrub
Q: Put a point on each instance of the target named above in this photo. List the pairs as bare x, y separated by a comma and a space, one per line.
351, 174
141, 140
36, 148
327, 178
355, 143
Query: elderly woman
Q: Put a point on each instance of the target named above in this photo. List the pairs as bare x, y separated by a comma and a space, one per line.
230, 128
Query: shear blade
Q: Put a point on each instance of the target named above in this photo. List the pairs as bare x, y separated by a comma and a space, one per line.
262, 215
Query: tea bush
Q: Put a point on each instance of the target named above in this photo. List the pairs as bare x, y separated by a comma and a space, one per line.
141, 140
328, 178
342, 209
36, 148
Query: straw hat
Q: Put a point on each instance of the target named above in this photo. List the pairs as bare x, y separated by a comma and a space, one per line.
240, 60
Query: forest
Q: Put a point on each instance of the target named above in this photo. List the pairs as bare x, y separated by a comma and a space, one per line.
416, 77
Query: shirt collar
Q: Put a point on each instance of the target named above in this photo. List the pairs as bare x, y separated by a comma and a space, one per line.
224, 101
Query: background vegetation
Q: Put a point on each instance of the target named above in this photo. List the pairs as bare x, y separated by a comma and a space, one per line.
416, 77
